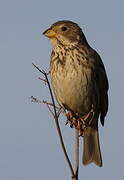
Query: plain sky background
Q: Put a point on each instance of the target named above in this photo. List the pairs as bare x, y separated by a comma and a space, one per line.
29, 146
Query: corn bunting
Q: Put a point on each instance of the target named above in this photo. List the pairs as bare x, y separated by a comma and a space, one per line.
79, 83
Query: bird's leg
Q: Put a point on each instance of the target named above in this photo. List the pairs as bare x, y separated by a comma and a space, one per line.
93, 113
85, 121
88, 117
80, 123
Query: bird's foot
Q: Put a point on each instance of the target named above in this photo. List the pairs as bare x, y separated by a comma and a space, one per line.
71, 119
80, 123
75, 122
87, 119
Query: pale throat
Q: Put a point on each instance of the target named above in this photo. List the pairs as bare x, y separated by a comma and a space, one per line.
55, 42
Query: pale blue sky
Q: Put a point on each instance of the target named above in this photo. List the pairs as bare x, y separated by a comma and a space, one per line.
29, 147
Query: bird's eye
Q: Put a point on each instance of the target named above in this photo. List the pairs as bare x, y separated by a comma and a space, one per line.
64, 28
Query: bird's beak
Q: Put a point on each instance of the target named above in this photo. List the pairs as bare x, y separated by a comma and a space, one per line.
49, 33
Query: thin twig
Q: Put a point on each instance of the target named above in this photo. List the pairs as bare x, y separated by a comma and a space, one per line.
34, 99
44, 80
50, 111
57, 122
59, 109
76, 166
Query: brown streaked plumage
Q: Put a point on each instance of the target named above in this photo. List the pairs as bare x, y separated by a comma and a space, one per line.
79, 82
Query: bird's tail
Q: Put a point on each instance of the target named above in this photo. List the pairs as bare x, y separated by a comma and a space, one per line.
91, 151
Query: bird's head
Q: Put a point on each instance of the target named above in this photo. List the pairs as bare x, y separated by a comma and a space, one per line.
66, 33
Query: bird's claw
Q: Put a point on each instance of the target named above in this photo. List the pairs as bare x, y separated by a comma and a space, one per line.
80, 123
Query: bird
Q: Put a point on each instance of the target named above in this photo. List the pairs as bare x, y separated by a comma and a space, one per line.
80, 84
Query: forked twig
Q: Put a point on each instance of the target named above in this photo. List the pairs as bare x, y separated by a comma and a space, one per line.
55, 113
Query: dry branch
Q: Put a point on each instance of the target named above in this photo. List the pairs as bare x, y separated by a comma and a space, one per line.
55, 113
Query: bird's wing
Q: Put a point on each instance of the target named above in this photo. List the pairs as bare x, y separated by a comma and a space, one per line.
101, 79
102, 82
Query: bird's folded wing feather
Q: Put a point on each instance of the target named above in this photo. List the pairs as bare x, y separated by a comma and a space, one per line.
102, 82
